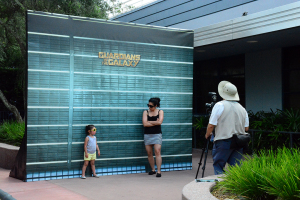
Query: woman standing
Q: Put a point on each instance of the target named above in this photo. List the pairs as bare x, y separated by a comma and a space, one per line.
152, 120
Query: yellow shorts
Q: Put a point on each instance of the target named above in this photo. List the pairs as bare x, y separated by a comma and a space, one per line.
91, 156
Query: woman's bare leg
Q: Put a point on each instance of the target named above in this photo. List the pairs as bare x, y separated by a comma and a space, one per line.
157, 149
150, 156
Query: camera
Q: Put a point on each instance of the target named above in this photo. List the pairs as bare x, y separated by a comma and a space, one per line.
213, 97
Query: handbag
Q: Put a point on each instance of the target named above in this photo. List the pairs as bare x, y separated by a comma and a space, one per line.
240, 141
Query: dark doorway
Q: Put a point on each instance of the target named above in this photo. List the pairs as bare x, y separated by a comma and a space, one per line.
208, 74
290, 75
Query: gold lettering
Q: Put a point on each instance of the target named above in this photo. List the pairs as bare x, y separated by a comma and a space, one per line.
132, 57
120, 63
115, 59
105, 62
116, 62
104, 55
130, 63
135, 63
116, 56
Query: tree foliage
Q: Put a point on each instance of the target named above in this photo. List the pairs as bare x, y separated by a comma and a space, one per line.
13, 28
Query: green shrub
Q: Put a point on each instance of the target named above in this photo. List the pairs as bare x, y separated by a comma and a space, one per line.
270, 123
265, 176
12, 132
200, 124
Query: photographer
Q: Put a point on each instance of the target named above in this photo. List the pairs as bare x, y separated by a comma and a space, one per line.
228, 117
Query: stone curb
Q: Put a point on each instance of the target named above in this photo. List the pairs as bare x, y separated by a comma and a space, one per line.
200, 190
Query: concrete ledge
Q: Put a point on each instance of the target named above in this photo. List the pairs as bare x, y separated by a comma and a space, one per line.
5, 196
8, 155
200, 190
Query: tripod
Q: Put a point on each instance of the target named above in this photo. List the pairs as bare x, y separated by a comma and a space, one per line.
209, 107
204, 150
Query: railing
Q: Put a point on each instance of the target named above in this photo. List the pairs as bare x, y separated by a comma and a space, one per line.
252, 132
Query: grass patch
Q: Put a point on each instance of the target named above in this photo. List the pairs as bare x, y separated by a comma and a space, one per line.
12, 132
267, 175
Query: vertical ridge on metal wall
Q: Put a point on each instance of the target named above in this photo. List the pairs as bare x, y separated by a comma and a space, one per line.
70, 133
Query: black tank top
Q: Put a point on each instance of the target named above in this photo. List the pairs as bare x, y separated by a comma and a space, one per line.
153, 129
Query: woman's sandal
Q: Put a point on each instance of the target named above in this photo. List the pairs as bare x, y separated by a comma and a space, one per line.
152, 172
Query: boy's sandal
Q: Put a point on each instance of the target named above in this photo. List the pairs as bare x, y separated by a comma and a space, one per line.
158, 175
83, 177
152, 172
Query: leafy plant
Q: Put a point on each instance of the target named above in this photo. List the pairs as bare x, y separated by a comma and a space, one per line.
12, 132
287, 120
270, 124
200, 122
283, 177
265, 176
293, 120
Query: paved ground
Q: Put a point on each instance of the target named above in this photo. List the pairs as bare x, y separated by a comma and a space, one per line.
129, 186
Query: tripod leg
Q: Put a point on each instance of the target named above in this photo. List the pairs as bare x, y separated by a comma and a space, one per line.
200, 162
206, 152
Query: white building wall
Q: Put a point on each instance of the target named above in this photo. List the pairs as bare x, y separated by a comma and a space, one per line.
267, 21
263, 80
229, 14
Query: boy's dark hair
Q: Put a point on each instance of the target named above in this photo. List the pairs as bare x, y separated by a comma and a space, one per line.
155, 101
88, 128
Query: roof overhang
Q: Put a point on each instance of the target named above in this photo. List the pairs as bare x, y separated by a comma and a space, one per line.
274, 28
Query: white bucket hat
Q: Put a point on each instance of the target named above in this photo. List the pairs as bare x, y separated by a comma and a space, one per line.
228, 91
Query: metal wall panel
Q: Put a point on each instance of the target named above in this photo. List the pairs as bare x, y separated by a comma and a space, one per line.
69, 87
